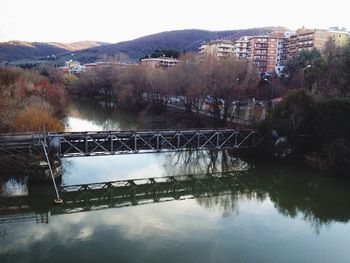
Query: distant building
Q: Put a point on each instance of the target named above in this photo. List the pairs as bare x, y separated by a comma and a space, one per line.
72, 63
162, 62
219, 48
64, 69
341, 38
240, 48
308, 39
72, 67
269, 52
90, 67
76, 70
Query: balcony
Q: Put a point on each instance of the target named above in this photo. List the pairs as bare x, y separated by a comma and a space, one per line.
261, 46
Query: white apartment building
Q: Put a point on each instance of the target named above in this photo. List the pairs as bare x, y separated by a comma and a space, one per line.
219, 48
241, 47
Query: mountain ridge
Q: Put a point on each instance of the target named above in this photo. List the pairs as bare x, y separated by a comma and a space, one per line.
185, 40
17, 49
181, 40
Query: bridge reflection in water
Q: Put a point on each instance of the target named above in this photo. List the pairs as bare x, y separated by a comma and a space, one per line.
143, 191
96, 196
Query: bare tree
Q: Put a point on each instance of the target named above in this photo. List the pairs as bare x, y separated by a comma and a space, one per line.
227, 79
184, 81
133, 83
157, 88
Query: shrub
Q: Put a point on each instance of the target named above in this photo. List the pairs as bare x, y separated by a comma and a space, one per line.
36, 119
68, 80
334, 157
290, 116
329, 120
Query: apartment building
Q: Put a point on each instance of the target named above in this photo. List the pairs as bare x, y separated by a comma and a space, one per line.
340, 38
282, 52
219, 48
308, 39
269, 52
241, 47
163, 62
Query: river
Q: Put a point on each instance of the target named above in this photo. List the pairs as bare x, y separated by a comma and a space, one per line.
269, 213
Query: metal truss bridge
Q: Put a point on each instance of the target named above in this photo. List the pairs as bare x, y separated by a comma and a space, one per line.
75, 144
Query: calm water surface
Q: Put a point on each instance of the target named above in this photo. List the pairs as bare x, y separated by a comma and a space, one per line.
272, 213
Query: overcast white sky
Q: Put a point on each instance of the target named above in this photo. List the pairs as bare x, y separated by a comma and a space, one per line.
115, 20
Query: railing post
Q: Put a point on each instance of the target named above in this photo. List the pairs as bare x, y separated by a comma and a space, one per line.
158, 146
86, 145
135, 142
217, 140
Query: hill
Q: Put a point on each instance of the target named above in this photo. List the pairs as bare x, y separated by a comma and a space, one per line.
17, 50
133, 50
181, 40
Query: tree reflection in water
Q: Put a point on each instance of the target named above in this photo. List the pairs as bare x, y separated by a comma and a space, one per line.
294, 190
205, 162
103, 114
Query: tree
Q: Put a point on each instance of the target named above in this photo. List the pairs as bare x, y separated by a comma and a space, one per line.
166, 53
185, 83
133, 82
68, 80
294, 74
345, 68
227, 79
157, 88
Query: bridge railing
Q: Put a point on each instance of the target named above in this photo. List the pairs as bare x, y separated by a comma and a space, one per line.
20, 141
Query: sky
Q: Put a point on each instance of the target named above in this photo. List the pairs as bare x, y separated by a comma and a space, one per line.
119, 20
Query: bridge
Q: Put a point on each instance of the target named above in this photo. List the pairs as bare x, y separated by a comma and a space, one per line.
77, 144
122, 193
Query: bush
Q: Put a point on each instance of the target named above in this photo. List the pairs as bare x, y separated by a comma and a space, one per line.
334, 157
329, 120
325, 124
68, 80
289, 117
36, 119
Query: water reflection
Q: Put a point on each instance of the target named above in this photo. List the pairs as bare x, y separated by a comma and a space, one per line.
132, 166
320, 200
236, 211
84, 115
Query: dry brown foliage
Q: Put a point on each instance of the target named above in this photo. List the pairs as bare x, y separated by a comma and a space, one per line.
36, 119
